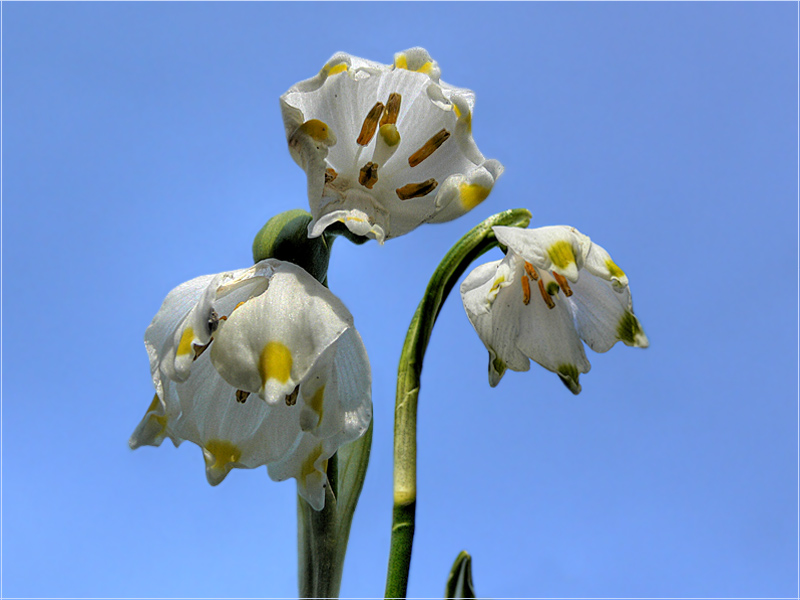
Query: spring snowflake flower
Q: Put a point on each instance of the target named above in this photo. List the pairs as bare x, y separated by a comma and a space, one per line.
385, 147
554, 288
260, 366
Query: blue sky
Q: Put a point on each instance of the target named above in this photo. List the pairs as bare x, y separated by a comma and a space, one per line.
143, 146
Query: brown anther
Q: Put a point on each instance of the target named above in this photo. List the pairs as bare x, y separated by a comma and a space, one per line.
330, 175
223, 318
291, 399
531, 271
241, 396
368, 176
428, 148
563, 284
370, 124
545, 296
237, 306
198, 350
526, 290
392, 110
415, 190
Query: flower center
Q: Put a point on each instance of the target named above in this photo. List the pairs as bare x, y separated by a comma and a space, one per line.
549, 284
382, 118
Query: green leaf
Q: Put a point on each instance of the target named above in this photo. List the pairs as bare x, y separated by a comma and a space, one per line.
459, 582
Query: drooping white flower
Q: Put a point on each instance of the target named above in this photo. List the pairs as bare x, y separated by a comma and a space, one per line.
385, 147
554, 288
260, 366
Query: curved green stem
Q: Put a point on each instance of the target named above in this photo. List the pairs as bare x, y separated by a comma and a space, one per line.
477, 241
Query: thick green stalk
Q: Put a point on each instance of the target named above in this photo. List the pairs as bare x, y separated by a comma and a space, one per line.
477, 241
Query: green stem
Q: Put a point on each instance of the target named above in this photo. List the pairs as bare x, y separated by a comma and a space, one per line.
477, 241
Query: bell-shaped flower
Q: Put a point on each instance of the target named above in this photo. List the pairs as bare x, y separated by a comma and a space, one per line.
260, 366
554, 288
385, 147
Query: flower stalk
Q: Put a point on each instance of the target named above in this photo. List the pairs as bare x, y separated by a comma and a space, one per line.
476, 242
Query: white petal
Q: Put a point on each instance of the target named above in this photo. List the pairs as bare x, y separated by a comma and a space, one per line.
558, 248
268, 345
336, 395
307, 463
159, 336
156, 425
600, 264
604, 314
494, 311
548, 336
462, 193
357, 221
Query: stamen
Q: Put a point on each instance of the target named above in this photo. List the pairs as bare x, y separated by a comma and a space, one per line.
562, 282
241, 396
368, 176
531, 271
237, 306
428, 148
330, 175
392, 109
415, 190
291, 399
545, 296
526, 290
370, 124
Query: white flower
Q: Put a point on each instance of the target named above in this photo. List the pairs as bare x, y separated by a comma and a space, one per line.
553, 288
260, 366
385, 147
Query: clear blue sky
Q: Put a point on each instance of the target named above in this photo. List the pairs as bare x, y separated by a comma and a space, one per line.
143, 146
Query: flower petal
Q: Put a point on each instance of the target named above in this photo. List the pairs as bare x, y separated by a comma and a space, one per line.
155, 425
600, 264
558, 248
307, 463
495, 315
604, 314
268, 344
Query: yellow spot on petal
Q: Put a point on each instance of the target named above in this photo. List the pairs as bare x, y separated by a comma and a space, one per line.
465, 119
223, 454
401, 62
275, 362
316, 129
307, 468
185, 345
315, 402
160, 419
497, 283
613, 269
472, 194
561, 254
389, 134
335, 69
